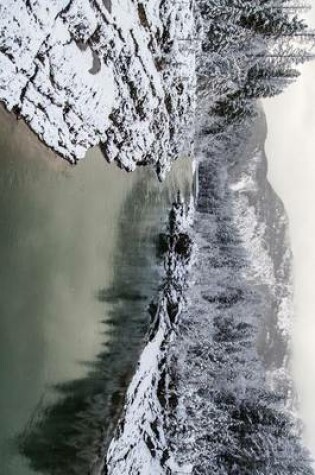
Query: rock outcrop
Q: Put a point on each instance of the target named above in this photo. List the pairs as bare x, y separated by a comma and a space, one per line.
83, 73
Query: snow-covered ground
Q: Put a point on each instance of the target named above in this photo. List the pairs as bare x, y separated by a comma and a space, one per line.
122, 75
231, 346
119, 74
140, 445
212, 389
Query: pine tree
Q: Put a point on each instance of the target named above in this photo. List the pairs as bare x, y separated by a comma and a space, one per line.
265, 81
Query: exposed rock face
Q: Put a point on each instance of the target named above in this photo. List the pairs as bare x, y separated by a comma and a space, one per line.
83, 73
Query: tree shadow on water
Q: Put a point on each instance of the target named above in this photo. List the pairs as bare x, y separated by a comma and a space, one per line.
71, 436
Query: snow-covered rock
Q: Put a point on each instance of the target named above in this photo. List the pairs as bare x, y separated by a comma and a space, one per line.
140, 445
83, 73
212, 392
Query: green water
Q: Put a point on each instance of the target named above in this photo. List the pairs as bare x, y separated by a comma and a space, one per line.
66, 235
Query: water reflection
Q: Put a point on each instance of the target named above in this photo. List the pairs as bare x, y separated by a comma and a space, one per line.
69, 436
78, 268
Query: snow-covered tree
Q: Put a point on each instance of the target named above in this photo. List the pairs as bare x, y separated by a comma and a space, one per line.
250, 49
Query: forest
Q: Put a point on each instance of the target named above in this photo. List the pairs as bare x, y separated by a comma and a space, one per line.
249, 50
217, 412
199, 400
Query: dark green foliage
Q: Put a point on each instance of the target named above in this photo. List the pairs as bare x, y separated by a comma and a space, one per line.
233, 108
183, 245
72, 434
249, 51
268, 22
162, 245
266, 81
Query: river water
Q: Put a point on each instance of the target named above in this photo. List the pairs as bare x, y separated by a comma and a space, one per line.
78, 269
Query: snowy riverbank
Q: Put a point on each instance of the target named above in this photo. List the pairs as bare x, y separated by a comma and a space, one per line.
212, 392
140, 444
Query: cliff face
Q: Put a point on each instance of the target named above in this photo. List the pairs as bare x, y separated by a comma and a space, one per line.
83, 73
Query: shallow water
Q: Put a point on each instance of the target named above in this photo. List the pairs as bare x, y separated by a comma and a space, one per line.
78, 268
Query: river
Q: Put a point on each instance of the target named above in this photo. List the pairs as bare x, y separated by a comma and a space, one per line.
78, 269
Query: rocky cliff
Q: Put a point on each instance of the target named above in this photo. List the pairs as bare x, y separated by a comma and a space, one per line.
83, 73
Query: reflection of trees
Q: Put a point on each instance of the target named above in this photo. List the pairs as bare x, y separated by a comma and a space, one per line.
70, 436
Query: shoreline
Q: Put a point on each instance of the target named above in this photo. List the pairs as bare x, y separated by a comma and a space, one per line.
30, 141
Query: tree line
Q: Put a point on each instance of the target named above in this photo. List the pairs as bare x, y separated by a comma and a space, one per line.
250, 49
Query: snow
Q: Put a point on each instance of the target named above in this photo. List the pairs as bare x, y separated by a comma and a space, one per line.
140, 445
81, 75
122, 75
230, 337
239, 288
